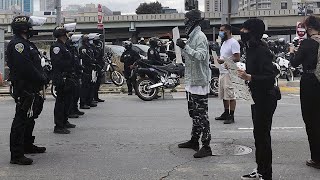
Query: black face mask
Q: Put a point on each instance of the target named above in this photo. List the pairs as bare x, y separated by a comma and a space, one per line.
31, 33
245, 37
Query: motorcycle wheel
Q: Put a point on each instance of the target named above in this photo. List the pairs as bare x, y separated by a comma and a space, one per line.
117, 78
144, 92
214, 86
53, 91
11, 90
289, 75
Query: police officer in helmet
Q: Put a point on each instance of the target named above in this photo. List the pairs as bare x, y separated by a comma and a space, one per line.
153, 52
63, 79
86, 53
28, 79
129, 57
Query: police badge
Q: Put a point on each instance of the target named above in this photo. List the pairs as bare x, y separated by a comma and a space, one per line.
56, 50
19, 47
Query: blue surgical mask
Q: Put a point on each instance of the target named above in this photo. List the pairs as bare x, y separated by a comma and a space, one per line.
221, 34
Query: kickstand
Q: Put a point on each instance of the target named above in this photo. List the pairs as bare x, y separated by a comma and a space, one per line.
162, 93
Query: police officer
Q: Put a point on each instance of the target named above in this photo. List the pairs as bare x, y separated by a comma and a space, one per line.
97, 45
63, 79
153, 52
129, 57
28, 79
72, 47
86, 53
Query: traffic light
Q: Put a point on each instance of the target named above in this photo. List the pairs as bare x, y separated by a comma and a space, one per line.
191, 4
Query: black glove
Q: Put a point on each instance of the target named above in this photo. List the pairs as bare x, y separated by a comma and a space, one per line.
181, 43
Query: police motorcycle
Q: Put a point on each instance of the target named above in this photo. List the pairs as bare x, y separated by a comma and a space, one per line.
70, 27
116, 77
152, 78
286, 70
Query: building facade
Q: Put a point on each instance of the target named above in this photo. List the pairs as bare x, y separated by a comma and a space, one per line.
47, 5
276, 4
213, 5
17, 6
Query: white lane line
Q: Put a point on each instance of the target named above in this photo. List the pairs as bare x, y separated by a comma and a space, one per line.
275, 128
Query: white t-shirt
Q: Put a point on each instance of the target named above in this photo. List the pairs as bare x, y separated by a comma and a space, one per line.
228, 49
198, 90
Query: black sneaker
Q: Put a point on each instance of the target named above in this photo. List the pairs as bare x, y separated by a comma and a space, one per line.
223, 116
61, 131
73, 115
129, 93
254, 175
80, 113
229, 120
190, 144
69, 125
22, 161
33, 149
84, 107
205, 151
313, 164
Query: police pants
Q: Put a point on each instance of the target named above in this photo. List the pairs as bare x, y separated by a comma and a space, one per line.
62, 106
76, 97
21, 132
85, 90
262, 113
131, 81
198, 111
310, 97
97, 86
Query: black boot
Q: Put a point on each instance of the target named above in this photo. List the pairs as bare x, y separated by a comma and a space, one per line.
80, 113
203, 152
73, 115
33, 149
61, 131
229, 120
92, 104
84, 107
21, 161
69, 125
192, 144
223, 116
99, 100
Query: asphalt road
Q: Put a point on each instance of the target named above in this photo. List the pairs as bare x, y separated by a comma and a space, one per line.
126, 138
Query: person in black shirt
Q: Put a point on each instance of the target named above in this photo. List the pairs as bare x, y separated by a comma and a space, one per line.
307, 55
261, 75
28, 78
63, 79
129, 57
153, 52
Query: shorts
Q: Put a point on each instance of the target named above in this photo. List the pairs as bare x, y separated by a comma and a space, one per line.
226, 90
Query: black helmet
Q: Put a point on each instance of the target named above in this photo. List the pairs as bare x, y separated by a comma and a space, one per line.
59, 31
154, 42
127, 44
85, 39
21, 24
256, 27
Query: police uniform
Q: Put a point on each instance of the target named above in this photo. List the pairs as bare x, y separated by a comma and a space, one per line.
63, 79
129, 57
86, 53
27, 78
98, 54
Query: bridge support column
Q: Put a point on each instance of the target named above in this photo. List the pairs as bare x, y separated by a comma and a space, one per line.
135, 37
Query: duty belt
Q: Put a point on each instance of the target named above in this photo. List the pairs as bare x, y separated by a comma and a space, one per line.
310, 71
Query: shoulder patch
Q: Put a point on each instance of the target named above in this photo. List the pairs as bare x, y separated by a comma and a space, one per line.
151, 52
56, 50
19, 47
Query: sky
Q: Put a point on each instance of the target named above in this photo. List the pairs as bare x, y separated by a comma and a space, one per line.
129, 6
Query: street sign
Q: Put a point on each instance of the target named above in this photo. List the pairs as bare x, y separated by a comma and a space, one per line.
301, 31
100, 17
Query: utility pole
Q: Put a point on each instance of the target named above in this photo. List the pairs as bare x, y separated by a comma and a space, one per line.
229, 11
58, 9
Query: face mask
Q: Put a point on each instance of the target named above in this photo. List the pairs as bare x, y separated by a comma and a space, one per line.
30, 34
222, 34
190, 25
245, 37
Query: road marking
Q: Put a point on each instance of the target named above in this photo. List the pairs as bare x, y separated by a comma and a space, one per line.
275, 128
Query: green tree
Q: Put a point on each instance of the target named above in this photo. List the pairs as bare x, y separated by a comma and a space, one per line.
149, 8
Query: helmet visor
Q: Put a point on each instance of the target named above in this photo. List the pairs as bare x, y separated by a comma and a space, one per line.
37, 21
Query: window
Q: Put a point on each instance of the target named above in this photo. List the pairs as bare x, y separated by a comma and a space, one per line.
284, 5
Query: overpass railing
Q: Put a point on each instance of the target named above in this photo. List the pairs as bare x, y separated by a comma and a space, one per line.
168, 17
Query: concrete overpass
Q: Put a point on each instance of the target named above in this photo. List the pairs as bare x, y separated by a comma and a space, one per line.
126, 26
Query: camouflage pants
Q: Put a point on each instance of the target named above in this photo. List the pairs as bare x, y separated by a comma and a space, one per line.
198, 111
